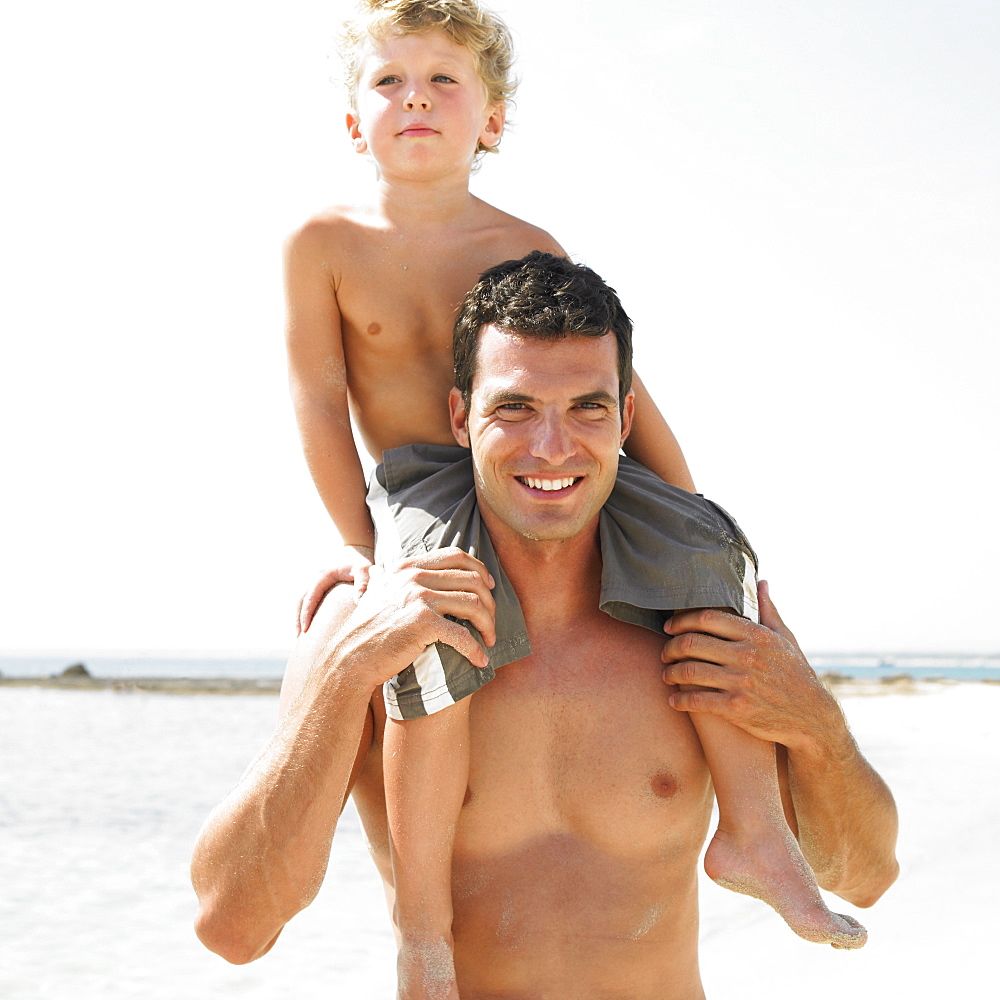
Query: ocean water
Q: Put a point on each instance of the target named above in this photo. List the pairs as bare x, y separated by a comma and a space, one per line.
920, 666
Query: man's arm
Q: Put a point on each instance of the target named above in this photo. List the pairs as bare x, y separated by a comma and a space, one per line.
756, 677
262, 854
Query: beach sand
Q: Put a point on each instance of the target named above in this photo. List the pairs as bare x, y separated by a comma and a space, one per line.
102, 793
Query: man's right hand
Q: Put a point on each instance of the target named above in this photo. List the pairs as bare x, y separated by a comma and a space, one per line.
403, 610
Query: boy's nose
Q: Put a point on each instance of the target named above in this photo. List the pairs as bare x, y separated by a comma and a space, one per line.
417, 99
551, 442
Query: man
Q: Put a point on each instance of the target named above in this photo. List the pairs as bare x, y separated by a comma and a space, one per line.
574, 865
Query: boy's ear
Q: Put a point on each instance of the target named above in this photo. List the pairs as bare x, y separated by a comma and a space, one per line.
354, 130
493, 129
628, 410
459, 418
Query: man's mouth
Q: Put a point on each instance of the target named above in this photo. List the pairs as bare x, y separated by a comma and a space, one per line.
548, 485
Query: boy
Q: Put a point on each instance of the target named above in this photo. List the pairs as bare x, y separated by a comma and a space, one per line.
373, 289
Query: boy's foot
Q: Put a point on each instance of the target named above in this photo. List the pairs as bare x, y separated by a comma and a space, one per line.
770, 867
426, 971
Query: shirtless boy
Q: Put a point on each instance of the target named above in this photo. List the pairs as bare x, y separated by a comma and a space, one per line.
372, 291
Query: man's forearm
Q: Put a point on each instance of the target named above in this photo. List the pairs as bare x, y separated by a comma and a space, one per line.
263, 852
845, 813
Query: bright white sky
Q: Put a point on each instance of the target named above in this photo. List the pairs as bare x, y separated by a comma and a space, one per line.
798, 203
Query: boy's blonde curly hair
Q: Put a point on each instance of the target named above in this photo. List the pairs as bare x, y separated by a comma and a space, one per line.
467, 22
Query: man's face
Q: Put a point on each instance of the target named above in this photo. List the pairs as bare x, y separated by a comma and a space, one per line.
544, 427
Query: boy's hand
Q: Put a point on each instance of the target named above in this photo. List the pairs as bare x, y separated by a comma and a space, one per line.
354, 567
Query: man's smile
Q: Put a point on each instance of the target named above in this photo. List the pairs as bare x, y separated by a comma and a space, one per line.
549, 485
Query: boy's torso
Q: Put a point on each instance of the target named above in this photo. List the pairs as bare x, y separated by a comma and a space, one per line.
577, 847
398, 291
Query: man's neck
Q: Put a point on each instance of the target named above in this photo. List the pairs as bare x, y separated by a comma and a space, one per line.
554, 581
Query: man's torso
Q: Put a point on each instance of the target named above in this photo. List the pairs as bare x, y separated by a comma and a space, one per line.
577, 847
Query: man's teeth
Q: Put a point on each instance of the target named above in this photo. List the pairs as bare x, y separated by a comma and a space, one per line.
548, 484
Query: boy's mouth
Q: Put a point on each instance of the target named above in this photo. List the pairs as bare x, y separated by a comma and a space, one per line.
418, 130
549, 485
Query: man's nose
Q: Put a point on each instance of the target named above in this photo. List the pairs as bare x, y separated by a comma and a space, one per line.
552, 442
417, 100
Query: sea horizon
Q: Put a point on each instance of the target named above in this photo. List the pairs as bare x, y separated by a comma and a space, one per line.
210, 665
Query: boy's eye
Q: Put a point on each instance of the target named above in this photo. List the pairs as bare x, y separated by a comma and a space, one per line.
442, 78
383, 80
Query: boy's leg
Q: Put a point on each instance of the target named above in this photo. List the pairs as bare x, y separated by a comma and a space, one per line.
753, 851
426, 764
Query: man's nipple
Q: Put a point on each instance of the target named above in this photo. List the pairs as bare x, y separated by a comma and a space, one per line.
664, 786
374, 328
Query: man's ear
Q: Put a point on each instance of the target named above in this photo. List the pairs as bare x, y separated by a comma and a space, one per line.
493, 129
628, 411
354, 131
459, 418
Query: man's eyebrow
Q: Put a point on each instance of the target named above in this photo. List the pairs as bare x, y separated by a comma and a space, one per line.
598, 396
501, 396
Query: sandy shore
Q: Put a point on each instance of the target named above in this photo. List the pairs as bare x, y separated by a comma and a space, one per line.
103, 795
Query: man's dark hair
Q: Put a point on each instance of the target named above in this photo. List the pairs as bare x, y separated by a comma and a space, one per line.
545, 297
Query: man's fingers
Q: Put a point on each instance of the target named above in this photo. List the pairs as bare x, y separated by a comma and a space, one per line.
698, 701
696, 646
714, 621
461, 639
706, 675
452, 557
462, 604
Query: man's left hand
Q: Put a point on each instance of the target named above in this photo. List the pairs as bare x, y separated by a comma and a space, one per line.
754, 676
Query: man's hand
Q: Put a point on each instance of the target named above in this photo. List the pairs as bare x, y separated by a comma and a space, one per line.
754, 676
354, 567
403, 610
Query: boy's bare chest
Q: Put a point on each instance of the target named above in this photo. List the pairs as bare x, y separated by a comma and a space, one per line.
404, 294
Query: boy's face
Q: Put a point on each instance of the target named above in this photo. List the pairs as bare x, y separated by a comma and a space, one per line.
422, 106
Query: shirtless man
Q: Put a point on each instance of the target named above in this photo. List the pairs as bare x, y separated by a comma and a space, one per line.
574, 866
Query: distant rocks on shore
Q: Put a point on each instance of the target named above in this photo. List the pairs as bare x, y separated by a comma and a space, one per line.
76, 670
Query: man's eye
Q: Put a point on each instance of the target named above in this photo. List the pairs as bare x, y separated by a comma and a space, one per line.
511, 409
591, 408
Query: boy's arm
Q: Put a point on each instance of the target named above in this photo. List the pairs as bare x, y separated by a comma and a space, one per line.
652, 442
318, 381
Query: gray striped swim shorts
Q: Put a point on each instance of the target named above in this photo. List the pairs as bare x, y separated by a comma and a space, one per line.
663, 550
